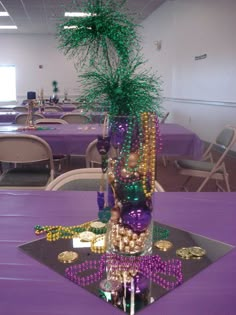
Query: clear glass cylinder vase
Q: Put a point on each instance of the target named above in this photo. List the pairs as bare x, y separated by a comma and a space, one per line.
131, 177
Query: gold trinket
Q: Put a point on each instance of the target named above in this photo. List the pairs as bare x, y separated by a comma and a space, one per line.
67, 257
87, 236
193, 252
97, 225
163, 245
197, 251
184, 253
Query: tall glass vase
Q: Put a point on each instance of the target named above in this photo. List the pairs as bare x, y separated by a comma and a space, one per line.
131, 177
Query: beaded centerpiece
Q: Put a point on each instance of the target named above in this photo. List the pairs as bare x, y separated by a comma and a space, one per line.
129, 283
131, 176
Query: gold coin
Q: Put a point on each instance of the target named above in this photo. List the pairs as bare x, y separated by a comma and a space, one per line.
67, 257
184, 253
163, 245
87, 236
97, 225
197, 251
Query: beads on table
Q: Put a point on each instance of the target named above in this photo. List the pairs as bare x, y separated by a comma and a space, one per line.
73, 271
167, 274
54, 233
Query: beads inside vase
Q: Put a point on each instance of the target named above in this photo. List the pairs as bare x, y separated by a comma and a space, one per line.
132, 178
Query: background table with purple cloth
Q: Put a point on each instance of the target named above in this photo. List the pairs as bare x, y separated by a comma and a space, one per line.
74, 138
66, 107
9, 117
28, 287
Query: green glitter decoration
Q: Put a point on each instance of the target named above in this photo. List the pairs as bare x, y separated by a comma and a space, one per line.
107, 33
125, 90
106, 46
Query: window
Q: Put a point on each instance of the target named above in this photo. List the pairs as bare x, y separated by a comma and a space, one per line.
7, 83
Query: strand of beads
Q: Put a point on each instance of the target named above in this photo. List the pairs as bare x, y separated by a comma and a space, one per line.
64, 233
152, 267
159, 233
56, 232
133, 156
39, 229
72, 272
149, 153
96, 247
128, 162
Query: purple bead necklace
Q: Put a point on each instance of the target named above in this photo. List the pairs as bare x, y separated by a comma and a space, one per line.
151, 266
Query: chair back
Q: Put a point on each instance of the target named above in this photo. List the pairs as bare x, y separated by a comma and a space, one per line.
158, 187
25, 102
92, 156
49, 121
25, 149
22, 109
75, 118
21, 119
226, 139
213, 169
226, 136
164, 118
77, 111
79, 179
54, 108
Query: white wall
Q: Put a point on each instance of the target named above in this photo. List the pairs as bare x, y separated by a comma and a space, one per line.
27, 52
201, 95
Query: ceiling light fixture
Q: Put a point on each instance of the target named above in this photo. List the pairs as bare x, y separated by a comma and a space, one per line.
8, 27
78, 14
4, 13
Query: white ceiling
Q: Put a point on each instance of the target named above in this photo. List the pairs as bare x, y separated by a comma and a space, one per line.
41, 16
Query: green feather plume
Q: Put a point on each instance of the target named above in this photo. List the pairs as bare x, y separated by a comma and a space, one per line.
124, 90
106, 46
107, 33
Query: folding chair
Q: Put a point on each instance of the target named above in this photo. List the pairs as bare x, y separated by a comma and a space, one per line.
29, 150
74, 118
58, 158
86, 179
55, 108
21, 119
20, 109
207, 168
92, 156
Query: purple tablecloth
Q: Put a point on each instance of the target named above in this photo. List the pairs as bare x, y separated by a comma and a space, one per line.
9, 117
74, 139
30, 288
67, 107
